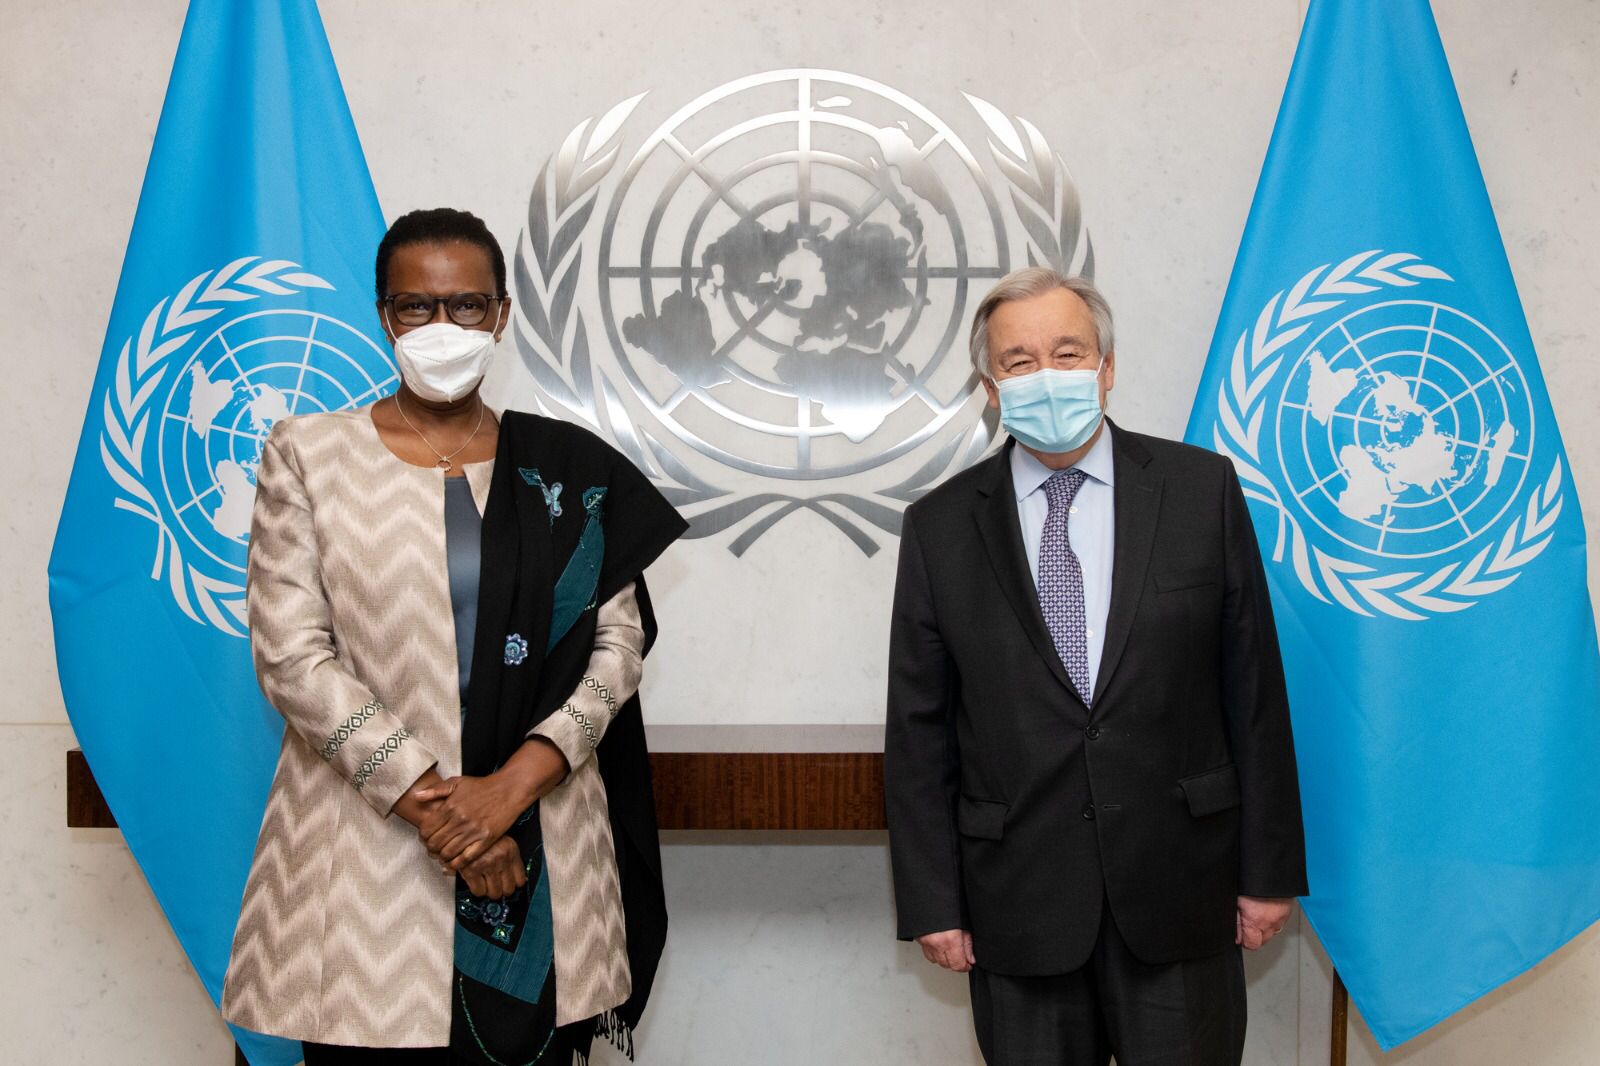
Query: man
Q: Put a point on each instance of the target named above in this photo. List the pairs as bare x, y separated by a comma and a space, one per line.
1089, 770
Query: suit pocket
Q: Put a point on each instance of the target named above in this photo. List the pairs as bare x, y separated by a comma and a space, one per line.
985, 819
1192, 578
1212, 791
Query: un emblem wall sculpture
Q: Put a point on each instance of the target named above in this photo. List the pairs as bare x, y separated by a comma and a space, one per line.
763, 303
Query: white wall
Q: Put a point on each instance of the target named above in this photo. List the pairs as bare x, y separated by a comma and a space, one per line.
781, 949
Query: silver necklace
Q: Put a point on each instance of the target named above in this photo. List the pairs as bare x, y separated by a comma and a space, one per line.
444, 462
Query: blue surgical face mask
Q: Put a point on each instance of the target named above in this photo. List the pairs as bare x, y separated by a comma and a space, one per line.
1052, 411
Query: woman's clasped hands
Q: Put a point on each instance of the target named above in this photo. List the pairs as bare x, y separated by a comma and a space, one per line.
463, 821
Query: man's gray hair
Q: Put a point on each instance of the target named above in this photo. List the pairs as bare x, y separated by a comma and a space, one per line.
1025, 284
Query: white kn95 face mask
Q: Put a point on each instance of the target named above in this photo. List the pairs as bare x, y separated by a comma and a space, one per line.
442, 361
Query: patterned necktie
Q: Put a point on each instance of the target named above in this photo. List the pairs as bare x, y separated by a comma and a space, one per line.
1061, 580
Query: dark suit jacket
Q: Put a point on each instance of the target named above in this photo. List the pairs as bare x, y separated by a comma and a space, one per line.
1014, 809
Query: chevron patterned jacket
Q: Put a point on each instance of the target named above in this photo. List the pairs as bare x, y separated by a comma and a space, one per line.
346, 930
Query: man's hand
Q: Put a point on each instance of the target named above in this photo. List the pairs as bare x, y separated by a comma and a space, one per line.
951, 949
498, 872
1259, 920
474, 812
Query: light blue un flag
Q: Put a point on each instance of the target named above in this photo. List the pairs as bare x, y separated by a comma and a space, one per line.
245, 297
1373, 380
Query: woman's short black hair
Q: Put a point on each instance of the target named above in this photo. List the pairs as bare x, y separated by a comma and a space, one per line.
439, 225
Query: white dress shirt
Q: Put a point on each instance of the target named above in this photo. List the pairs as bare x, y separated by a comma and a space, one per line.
1091, 529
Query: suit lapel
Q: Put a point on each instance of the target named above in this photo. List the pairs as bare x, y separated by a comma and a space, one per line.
1137, 496
1001, 530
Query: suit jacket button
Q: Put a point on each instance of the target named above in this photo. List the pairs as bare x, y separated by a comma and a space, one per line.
1093, 732
1088, 812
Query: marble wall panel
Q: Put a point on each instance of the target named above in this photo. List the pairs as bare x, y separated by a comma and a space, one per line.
780, 950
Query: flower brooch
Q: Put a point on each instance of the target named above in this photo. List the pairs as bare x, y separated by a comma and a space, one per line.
552, 493
516, 649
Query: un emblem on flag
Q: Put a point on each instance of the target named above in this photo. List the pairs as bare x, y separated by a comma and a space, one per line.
1395, 438
192, 401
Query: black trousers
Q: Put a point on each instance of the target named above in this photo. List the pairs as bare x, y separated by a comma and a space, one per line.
1188, 1013
559, 1053
338, 1055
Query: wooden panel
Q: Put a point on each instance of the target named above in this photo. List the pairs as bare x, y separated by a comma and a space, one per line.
694, 790
762, 790
86, 806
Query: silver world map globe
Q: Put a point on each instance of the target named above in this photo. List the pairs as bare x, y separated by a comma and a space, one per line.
808, 243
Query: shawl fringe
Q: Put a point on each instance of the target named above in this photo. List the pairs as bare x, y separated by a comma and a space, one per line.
615, 1031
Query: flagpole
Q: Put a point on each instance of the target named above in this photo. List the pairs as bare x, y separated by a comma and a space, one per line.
1340, 1019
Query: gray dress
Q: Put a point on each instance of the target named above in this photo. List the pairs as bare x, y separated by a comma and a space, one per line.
463, 528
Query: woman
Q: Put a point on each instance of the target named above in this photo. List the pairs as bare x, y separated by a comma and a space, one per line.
459, 852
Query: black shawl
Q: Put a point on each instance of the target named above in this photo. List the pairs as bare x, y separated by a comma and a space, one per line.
556, 488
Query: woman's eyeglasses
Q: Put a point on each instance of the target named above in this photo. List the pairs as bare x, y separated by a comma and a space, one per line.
417, 308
